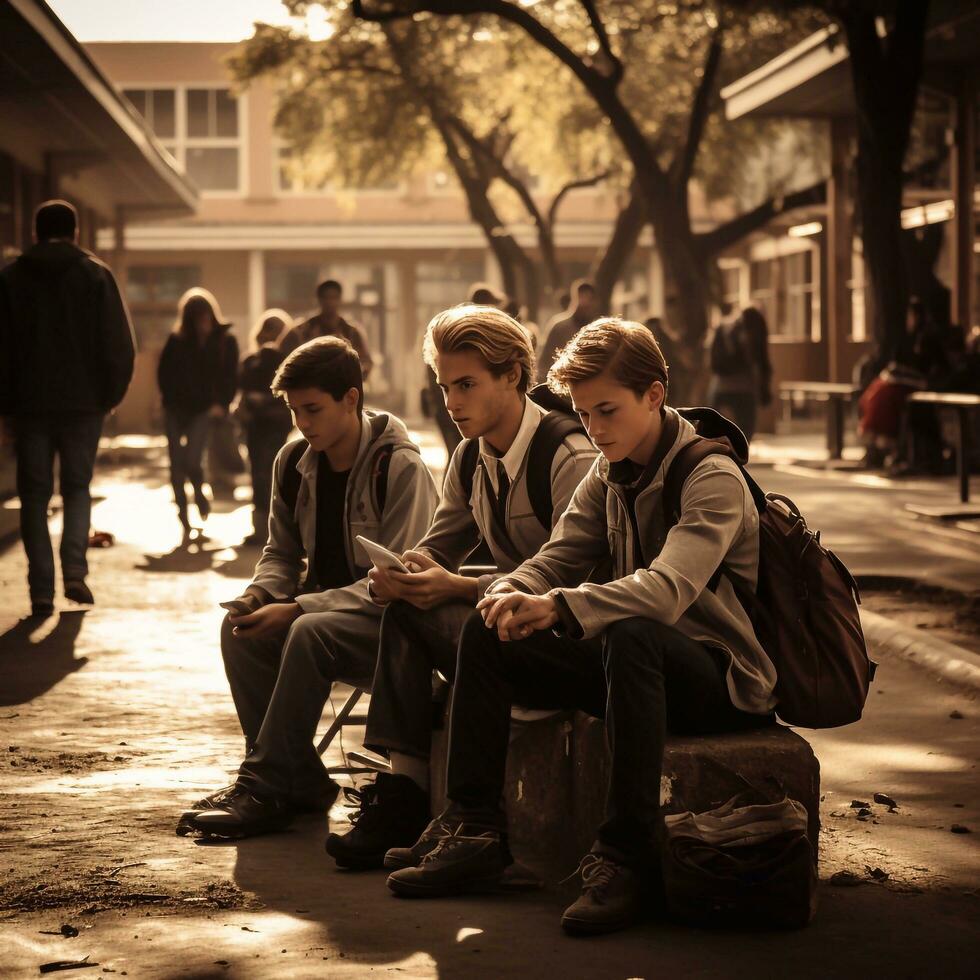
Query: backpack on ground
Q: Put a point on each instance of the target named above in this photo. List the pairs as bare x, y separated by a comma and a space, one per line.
745, 863
291, 477
805, 607
553, 429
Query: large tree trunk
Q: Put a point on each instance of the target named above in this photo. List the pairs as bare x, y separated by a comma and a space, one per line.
627, 228
686, 290
885, 73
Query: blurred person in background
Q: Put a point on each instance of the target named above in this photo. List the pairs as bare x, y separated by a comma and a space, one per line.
565, 325
66, 360
197, 376
329, 323
264, 418
741, 373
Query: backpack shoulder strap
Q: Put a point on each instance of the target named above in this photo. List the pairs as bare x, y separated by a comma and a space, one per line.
553, 429
468, 463
379, 474
291, 477
681, 467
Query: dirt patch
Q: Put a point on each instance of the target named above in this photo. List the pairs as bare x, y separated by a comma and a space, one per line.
101, 888
29, 759
951, 616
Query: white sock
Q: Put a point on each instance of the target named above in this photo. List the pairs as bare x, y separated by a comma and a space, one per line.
412, 766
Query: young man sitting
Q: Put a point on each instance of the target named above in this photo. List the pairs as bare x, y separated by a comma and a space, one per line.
676, 654
353, 473
484, 363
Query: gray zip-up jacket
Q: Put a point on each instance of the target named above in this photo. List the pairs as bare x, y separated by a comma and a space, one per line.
410, 500
719, 524
461, 521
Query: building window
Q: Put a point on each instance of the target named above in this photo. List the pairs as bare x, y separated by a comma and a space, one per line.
783, 288
200, 127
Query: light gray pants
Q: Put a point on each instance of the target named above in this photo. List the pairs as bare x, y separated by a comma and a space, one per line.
280, 686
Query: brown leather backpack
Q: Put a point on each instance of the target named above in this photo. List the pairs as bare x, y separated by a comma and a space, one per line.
805, 606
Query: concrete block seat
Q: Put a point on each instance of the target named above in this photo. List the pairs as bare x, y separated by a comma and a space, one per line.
558, 765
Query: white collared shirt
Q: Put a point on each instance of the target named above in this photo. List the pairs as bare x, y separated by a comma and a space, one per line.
514, 457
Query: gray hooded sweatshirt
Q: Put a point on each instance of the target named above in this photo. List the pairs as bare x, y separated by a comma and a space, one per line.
410, 501
719, 524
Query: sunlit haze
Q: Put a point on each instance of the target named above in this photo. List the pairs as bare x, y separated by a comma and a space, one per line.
178, 20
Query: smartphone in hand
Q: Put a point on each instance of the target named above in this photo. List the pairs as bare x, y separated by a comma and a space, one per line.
238, 607
381, 556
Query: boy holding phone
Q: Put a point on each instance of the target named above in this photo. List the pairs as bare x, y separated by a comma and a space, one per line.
354, 473
512, 447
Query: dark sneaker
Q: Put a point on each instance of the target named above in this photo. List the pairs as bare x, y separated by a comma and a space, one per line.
392, 811
78, 591
613, 896
320, 802
218, 799
411, 857
473, 858
244, 815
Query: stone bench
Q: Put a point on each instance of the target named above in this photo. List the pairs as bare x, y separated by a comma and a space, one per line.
557, 770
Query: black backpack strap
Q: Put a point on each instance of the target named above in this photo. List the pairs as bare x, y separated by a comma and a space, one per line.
379, 472
291, 477
553, 429
467, 466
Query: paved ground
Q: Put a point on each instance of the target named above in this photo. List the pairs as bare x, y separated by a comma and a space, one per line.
111, 721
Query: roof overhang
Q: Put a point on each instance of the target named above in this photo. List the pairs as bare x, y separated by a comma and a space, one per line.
812, 79
60, 112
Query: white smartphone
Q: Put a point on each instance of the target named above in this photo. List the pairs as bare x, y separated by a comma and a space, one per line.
381, 556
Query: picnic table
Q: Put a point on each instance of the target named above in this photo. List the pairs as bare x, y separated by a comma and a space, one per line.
963, 403
837, 395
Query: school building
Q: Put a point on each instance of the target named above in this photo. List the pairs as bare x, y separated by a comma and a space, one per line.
259, 238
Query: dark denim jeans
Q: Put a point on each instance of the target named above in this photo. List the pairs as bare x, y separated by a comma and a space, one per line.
186, 439
263, 441
647, 679
74, 439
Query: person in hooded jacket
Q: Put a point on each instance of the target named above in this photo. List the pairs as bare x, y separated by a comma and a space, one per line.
264, 418
307, 618
198, 377
66, 360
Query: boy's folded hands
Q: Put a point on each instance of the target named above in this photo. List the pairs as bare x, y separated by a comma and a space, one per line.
515, 615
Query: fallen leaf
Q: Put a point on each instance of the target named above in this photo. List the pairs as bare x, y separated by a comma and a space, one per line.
885, 800
859, 805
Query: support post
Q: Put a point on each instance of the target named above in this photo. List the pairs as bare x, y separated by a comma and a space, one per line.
840, 235
963, 160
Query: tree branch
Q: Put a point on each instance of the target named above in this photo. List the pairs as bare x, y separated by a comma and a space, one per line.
573, 185
615, 73
701, 110
710, 243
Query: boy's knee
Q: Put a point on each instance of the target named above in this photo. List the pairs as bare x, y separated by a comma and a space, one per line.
475, 636
633, 641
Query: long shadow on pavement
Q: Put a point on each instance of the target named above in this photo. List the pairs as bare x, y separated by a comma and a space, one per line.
34, 658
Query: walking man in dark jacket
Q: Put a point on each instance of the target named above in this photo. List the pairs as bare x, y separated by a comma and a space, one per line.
66, 360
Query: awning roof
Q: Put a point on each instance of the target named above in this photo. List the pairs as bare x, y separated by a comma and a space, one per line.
812, 79
59, 109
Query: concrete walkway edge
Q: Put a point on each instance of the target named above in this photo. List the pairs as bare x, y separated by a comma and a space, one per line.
888, 638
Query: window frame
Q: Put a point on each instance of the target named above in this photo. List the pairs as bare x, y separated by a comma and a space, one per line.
181, 142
